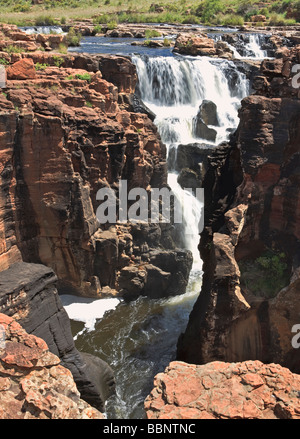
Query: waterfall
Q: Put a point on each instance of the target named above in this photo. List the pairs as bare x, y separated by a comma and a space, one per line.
254, 47
174, 88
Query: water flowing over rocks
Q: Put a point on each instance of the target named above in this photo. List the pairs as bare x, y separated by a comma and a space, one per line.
251, 218
33, 383
248, 390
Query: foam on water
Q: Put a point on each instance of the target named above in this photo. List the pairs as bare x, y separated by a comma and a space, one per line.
87, 310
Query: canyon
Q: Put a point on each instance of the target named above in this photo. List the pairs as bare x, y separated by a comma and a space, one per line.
80, 124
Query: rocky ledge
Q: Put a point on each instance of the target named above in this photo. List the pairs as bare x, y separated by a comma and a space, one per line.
28, 294
33, 384
217, 390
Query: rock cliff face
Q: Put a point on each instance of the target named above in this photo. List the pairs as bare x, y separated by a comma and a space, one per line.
33, 383
248, 390
28, 294
69, 127
68, 132
250, 245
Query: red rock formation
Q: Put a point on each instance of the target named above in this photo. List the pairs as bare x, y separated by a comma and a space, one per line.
249, 390
252, 211
189, 43
69, 133
33, 385
23, 69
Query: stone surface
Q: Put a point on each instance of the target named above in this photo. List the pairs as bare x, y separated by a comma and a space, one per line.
23, 69
252, 210
217, 390
33, 384
28, 294
50, 182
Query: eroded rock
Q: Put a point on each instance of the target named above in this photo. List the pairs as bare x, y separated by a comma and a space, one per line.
33, 383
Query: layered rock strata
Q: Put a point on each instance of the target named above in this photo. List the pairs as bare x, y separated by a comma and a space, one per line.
66, 134
248, 304
33, 383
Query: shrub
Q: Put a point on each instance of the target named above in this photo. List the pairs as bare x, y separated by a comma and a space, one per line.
84, 77
101, 19
98, 29
112, 25
39, 66
3, 62
58, 61
73, 37
23, 6
13, 49
208, 9
233, 20
266, 275
45, 20
151, 33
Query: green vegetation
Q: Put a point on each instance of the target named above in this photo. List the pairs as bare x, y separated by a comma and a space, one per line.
98, 29
85, 77
39, 66
89, 104
58, 61
73, 37
266, 275
112, 12
151, 33
13, 49
3, 62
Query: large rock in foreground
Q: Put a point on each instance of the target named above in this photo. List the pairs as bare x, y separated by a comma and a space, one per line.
28, 294
33, 385
249, 390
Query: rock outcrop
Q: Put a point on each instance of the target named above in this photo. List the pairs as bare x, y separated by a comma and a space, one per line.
33, 383
28, 293
248, 390
248, 304
188, 43
66, 134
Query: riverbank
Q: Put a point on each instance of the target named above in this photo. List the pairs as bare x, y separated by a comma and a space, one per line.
219, 12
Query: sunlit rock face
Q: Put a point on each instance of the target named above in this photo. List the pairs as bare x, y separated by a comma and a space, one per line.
250, 244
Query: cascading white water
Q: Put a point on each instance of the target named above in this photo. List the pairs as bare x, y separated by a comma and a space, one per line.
174, 88
254, 47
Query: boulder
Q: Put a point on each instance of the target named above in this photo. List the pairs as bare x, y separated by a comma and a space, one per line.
189, 179
202, 131
208, 113
23, 69
195, 45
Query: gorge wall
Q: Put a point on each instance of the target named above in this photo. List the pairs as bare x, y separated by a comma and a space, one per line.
71, 125
252, 218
